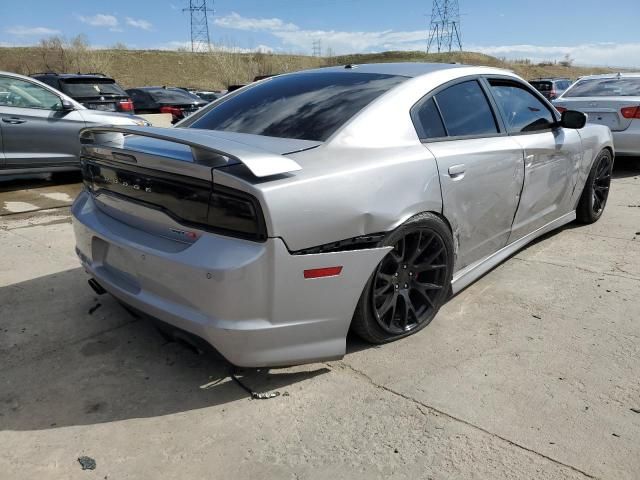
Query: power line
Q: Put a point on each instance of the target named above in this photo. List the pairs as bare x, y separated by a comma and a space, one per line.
317, 48
444, 28
200, 10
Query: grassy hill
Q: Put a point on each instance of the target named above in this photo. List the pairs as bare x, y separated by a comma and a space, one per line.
219, 69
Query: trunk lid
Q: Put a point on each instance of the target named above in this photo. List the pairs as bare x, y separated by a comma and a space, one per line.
161, 179
602, 110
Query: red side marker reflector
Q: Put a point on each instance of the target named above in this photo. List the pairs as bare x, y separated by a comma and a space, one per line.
322, 272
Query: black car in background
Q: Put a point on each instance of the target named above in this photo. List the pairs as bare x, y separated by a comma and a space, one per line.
179, 103
93, 90
551, 88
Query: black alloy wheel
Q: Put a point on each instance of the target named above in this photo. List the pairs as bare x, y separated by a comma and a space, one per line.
408, 280
596, 189
601, 184
410, 283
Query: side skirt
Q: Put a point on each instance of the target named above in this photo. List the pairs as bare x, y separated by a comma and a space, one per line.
471, 273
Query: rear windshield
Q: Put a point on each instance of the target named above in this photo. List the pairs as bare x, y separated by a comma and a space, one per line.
308, 106
169, 95
605, 87
541, 86
79, 87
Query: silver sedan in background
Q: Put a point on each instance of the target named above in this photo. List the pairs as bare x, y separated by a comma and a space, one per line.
612, 100
39, 126
277, 218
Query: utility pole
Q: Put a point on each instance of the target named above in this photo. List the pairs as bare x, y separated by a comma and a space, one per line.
317, 48
444, 29
199, 10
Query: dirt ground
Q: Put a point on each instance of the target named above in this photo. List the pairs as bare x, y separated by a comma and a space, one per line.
533, 372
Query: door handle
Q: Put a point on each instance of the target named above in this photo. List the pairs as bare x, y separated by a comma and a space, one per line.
13, 120
457, 171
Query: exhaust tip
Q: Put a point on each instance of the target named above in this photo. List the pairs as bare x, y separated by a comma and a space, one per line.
93, 283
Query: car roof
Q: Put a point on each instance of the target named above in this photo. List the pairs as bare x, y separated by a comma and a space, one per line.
96, 76
612, 75
405, 69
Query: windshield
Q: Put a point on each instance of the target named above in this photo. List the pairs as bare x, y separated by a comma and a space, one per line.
605, 87
308, 106
170, 95
79, 87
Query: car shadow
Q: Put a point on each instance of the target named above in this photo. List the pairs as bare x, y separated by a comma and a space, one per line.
625, 167
119, 367
10, 183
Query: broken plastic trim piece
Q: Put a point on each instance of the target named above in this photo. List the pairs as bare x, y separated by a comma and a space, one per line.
254, 395
355, 243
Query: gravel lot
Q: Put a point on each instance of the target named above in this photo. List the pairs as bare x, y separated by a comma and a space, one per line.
533, 372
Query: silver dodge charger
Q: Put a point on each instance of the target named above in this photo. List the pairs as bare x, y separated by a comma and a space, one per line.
360, 197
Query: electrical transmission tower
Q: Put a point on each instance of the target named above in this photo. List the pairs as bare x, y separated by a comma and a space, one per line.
317, 48
200, 10
444, 28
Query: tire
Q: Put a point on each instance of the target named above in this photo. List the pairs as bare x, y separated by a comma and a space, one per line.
596, 189
410, 283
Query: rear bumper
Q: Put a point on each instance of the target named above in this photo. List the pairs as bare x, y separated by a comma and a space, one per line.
248, 300
627, 142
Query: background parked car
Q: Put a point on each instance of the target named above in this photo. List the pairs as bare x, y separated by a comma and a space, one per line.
39, 126
93, 90
551, 88
612, 100
175, 101
206, 95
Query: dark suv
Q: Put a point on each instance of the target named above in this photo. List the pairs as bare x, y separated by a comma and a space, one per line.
93, 90
551, 88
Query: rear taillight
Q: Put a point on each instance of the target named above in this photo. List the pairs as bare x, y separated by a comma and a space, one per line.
561, 109
175, 111
236, 212
126, 106
630, 112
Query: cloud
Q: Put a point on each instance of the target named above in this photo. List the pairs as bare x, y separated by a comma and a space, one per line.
239, 22
294, 37
602, 54
140, 23
99, 20
21, 31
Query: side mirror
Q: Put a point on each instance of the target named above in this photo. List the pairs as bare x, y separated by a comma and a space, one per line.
573, 119
67, 106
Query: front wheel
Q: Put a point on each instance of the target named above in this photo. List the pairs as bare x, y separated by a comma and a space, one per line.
596, 189
410, 283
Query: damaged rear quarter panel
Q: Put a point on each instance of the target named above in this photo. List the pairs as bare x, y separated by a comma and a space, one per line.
346, 192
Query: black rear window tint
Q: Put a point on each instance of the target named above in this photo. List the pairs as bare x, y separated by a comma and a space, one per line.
541, 86
466, 111
80, 87
309, 106
168, 95
605, 87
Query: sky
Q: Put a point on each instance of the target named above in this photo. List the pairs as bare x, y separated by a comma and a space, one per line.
591, 32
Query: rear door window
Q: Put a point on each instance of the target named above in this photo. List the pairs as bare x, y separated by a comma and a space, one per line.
521, 109
466, 110
427, 121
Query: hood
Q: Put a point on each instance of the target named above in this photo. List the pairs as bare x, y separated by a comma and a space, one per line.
111, 118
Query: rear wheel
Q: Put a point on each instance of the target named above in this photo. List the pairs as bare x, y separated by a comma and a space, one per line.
410, 284
596, 189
